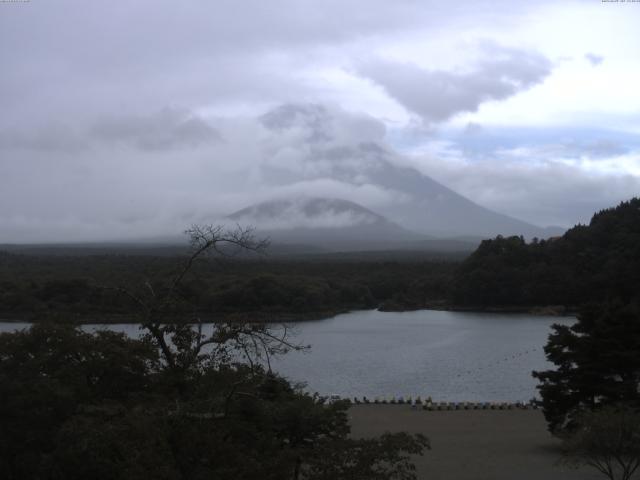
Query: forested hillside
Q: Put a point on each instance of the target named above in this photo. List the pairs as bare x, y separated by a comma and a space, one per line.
588, 263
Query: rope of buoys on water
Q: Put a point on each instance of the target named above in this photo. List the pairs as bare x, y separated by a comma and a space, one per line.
497, 362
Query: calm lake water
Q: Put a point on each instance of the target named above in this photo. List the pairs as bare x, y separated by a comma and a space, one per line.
450, 356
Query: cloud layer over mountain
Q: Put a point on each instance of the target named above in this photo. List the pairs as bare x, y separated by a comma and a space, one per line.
128, 120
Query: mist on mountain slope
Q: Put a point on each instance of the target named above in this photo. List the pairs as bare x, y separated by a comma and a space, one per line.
345, 155
293, 150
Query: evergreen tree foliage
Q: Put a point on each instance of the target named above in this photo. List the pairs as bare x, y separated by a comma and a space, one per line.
597, 363
588, 263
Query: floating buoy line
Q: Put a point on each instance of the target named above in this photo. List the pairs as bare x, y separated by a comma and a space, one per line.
497, 363
427, 403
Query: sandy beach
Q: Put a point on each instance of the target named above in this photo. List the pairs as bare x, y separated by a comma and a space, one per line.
473, 444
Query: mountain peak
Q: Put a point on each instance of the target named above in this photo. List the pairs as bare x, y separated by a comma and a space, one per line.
307, 212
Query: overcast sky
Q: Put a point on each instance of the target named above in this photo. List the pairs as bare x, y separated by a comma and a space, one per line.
124, 119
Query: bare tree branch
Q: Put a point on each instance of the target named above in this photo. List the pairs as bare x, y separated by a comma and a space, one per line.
185, 345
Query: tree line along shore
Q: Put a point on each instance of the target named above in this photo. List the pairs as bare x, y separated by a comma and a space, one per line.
549, 276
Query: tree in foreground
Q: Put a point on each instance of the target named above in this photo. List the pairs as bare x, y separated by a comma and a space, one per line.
597, 364
183, 401
607, 440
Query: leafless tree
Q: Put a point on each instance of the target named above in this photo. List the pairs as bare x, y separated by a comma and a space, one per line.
185, 345
607, 440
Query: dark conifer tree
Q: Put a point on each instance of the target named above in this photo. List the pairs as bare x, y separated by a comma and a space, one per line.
597, 363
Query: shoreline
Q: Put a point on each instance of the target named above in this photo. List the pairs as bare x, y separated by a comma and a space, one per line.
294, 317
113, 319
537, 310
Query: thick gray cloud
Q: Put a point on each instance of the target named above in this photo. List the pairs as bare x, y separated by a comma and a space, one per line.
167, 129
54, 137
439, 95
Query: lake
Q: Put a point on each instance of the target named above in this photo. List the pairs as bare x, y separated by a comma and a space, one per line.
450, 356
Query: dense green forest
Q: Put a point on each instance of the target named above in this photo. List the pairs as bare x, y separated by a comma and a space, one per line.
78, 405
82, 288
588, 263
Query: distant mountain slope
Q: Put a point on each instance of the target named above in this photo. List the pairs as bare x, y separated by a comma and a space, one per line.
438, 210
310, 212
351, 150
329, 223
